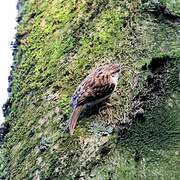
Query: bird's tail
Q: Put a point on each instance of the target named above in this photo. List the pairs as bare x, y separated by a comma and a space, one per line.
74, 117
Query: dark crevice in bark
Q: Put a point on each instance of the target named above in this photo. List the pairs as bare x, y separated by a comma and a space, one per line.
161, 11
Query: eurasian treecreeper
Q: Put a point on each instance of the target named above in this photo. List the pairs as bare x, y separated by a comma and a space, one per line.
95, 88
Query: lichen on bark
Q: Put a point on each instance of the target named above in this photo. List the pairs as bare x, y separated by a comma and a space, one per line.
57, 44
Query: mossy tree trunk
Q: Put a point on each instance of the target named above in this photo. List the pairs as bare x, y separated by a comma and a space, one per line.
57, 44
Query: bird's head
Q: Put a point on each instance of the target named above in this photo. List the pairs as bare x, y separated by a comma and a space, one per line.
113, 68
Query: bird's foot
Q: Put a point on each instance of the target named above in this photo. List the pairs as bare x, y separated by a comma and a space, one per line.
105, 106
108, 104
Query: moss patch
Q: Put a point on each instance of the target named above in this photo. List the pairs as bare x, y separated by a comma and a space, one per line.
57, 44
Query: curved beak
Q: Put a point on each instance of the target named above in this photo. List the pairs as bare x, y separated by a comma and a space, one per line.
123, 68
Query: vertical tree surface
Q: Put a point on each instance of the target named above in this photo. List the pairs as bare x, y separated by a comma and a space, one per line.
58, 42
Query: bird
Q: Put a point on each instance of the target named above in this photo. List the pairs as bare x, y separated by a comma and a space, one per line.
95, 88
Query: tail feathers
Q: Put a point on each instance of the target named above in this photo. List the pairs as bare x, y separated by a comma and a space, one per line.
73, 119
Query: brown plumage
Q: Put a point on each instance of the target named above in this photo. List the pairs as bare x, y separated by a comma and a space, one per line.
95, 88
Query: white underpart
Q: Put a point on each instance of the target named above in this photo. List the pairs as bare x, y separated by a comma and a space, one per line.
115, 79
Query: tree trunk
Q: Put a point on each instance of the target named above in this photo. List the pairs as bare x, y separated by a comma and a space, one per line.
57, 44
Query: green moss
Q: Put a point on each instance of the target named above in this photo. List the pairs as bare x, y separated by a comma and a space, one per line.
173, 6
151, 151
3, 162
59, 42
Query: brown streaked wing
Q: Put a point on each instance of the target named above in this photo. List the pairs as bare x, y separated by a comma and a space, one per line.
96, 88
